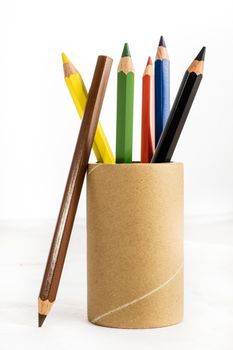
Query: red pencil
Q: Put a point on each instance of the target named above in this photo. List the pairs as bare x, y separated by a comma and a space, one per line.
147, 135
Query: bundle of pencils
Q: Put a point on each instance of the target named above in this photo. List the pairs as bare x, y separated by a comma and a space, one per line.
180, 110
160, 132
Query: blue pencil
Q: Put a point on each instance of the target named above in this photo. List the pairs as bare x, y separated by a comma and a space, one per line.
162, 89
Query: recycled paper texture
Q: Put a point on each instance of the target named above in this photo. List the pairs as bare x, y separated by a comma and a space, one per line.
135, 244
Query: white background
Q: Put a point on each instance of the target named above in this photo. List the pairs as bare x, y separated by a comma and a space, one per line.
38, 131
39, 124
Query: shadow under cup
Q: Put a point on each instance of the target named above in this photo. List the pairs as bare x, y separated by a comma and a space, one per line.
135, 244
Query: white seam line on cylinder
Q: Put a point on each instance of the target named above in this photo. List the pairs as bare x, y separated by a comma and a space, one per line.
94, 168
138, 299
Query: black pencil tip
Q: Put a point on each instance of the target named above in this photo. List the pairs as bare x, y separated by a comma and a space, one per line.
162, 42
41, 319
201, 55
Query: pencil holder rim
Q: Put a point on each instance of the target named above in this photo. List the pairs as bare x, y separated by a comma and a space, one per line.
125, 165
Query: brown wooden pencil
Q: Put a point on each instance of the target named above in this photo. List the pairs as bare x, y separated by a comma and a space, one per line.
73, 188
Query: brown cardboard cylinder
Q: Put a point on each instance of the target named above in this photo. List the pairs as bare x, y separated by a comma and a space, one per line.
135, 244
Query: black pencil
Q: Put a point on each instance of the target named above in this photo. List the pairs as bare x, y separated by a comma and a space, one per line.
180, 110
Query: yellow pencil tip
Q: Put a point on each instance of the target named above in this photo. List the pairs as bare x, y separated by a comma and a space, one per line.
65, 59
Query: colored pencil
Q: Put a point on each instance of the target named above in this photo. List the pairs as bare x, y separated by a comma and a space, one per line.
73, 188
78, 92
147, 129
125, 99
180, 110
162, 88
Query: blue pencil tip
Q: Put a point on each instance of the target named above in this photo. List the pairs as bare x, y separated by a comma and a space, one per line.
162, 42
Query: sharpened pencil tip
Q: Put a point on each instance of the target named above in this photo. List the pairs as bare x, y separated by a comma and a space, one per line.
201, 55
149, 61
126, 51
41, 319
65, 59
162, 42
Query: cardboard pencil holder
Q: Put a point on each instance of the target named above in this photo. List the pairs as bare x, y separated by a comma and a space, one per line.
135, 244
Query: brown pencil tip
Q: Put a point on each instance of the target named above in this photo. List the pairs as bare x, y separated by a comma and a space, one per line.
201, 55
41, 319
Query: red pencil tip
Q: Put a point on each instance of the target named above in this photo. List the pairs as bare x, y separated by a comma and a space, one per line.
149, 61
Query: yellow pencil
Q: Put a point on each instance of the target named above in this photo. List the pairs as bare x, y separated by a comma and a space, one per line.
78, 93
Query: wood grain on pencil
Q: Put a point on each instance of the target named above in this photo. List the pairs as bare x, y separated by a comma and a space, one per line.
73, 188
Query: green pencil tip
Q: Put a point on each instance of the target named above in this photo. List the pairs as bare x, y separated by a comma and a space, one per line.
126, 51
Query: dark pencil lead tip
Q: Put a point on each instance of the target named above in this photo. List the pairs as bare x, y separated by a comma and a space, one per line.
201, 55
162, 42
41, 319
126, 51
149, 61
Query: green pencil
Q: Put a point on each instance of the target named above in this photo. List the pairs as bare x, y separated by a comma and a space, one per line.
125, 97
